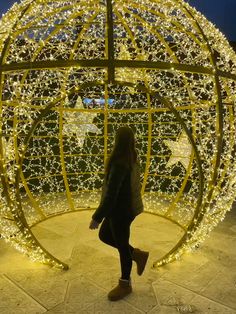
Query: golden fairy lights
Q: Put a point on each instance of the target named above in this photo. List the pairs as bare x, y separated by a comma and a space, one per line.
72, 72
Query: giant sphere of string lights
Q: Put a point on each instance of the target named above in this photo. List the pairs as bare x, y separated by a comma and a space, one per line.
73, 71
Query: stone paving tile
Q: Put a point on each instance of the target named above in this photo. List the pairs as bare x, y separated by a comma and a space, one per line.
96, 264
163, 310
48, 287
182, 300
14, 300
69, 226
191, 276
233, 229
105, 278
203, 282
222, 289
206, 306
221, 255
104, 306
11, 259
143, 296
170, 294
81, 294
149, 233
63, 251
213, 245
84, 296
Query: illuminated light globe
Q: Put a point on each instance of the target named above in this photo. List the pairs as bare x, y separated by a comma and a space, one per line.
72, 72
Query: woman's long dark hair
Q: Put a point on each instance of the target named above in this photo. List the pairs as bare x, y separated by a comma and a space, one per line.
124, 149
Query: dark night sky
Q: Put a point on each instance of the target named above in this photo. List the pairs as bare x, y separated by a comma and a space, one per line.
221, 12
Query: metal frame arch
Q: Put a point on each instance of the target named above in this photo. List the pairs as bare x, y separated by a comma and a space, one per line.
109, 64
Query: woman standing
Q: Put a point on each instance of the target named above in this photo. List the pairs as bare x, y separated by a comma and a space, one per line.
120, 203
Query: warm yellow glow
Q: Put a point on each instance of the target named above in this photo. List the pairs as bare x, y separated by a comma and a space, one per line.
72, 72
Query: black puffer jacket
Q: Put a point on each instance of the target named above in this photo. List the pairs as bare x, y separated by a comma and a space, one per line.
121, 195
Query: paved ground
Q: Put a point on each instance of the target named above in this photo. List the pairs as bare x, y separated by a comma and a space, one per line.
202, 282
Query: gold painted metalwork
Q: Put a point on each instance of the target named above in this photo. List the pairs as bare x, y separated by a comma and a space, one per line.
158, 66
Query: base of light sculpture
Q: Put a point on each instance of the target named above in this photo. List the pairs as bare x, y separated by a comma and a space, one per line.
56, 208
202, 281
61, 234
72, 72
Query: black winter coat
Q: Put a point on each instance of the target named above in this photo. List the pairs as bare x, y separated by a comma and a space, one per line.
121, 195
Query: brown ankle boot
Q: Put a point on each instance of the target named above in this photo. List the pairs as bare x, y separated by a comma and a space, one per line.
119, 292
140, 257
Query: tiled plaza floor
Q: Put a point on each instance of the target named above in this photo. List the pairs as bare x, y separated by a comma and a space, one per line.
202, 282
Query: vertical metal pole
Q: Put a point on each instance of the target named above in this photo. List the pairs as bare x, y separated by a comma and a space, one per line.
110, 36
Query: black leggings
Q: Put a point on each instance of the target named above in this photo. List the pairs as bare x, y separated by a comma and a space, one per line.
116, 233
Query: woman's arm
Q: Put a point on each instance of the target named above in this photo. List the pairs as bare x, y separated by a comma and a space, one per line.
116, 176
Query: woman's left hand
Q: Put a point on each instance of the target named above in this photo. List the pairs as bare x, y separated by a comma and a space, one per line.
93, 224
